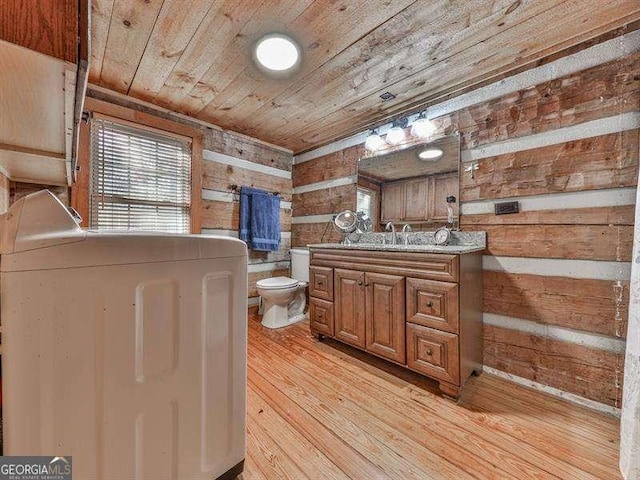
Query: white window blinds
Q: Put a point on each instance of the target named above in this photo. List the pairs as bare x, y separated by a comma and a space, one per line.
365, 201
139, 179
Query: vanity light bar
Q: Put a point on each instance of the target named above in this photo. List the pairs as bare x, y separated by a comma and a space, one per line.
421, 127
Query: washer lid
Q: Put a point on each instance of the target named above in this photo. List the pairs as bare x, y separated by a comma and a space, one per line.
277, 282
38, 233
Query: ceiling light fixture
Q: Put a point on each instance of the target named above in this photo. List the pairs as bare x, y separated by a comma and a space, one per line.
277, 52
373, 141
395, 135
422, 127
430, 154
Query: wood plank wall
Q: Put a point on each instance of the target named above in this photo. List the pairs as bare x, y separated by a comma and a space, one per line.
228, 159
557, 274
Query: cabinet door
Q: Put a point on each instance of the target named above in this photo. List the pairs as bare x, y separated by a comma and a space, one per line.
385, 316
321, 316
416, 199
321, 282
349, 307
392, 202
441, 187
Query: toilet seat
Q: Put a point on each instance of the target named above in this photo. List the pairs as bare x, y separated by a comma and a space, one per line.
277, 283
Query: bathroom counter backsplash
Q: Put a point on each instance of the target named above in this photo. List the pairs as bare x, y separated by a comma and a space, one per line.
459, 243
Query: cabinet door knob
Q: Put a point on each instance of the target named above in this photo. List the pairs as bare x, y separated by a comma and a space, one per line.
359, 282
366, 284
429, 351
429, 304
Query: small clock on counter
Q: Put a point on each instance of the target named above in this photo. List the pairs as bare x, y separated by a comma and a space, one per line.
442, 236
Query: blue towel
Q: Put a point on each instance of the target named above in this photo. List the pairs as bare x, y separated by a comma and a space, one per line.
260, 219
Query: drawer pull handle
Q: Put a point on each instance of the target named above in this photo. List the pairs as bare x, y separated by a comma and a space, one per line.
429, 304
429, 351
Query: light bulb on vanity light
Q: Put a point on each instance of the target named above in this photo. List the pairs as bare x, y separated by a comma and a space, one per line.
373, 141
395, 135
422, 127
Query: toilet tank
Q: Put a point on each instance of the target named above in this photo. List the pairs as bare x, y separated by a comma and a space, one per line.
300, 264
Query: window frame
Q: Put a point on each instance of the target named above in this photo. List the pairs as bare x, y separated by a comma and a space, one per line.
80, 191
374, 201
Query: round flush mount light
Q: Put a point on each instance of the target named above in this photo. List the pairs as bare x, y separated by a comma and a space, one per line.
277, 53
430, 154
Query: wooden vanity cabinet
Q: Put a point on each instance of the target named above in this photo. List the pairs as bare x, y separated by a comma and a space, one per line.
420, 310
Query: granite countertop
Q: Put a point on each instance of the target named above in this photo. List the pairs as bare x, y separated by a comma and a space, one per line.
450, 249
423, 242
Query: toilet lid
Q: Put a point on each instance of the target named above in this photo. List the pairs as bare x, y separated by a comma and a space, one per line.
277, 282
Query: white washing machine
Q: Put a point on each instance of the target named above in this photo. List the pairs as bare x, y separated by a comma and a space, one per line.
125, 351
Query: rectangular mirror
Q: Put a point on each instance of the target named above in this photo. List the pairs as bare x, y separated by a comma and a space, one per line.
418, 185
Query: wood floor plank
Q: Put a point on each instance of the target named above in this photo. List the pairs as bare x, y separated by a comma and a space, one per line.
335, 447
522, 399
582, 430
293, 442
437, 435
354, 427
269, 457
315, 404
477, 425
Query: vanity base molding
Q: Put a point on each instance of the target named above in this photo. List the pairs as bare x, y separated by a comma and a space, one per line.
419, 310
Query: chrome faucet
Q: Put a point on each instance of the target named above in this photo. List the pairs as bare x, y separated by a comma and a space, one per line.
406, 229
393, 233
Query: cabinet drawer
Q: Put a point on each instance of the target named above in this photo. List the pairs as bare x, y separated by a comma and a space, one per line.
433, 353
433, 304
321, 316
321, 283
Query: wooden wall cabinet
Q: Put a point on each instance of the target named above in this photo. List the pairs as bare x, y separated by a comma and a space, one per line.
418, 200
420, 310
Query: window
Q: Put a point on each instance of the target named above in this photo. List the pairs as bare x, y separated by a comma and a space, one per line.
365, 202
140, 179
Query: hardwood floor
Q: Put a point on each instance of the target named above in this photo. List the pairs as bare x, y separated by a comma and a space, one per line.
322, 410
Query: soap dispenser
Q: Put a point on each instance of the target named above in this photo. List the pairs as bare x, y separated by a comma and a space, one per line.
451, 219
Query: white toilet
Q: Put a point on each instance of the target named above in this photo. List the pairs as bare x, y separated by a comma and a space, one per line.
284, 298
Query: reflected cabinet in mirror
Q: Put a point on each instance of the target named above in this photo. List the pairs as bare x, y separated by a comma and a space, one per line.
418, 185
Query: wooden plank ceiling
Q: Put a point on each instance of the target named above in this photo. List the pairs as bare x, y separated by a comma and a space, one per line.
194, 56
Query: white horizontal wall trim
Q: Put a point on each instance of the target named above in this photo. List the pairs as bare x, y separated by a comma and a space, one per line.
592, 340
217, 196
590, 57
612, 197
217, 157
312, 219
571, 397
267, 266
593, 128
233, 233
559, 267
334, 182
